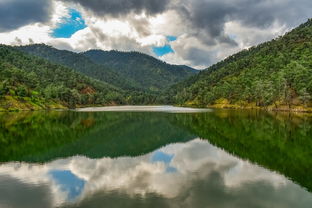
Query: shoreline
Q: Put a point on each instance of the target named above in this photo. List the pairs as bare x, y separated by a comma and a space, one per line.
295, 109
271, 108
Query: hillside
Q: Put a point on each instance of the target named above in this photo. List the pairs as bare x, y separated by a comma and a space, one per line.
276, 74
127, 70
28, 82
79, 63
149, 72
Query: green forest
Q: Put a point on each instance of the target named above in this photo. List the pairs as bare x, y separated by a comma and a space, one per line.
131, 71
273, 75
276, 74
27, 82
41, 77
149, 73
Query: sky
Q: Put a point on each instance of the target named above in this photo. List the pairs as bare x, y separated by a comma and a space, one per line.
197, 33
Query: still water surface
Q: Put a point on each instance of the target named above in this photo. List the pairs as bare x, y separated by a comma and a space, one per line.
155, 157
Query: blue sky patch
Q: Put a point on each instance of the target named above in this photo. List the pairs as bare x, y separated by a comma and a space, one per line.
165, 158
171, 38
68, 182
69, 25
160, 51
161, 157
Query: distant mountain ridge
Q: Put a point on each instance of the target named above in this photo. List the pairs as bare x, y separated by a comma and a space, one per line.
79, 63
143, 69
126, 70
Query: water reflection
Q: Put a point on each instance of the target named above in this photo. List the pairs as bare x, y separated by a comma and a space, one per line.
122, 162
191, 174
45, 136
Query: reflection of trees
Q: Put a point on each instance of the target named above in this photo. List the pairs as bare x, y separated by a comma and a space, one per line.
42, 136
280, 142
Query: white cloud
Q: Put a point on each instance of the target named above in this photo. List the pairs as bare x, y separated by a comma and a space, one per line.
37, 32
250, 36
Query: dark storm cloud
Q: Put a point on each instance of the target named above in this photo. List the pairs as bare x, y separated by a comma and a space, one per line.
207, 18
210, 16
262, 13
117, 8
17, 13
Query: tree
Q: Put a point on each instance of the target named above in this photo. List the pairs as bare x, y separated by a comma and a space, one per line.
22, 91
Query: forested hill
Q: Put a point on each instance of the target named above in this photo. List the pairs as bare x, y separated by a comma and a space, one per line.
275, 74
28, 82
147, 71
129, 71
79, 63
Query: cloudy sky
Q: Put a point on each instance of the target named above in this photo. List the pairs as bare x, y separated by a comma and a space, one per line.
192, 32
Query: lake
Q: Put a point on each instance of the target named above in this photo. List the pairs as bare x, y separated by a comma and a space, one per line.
159, 156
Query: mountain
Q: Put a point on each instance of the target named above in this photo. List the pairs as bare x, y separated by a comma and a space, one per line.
276, 74
28, 82
127, 70
79, 63
149, 72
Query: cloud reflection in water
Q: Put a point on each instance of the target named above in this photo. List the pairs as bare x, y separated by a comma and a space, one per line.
192, 174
